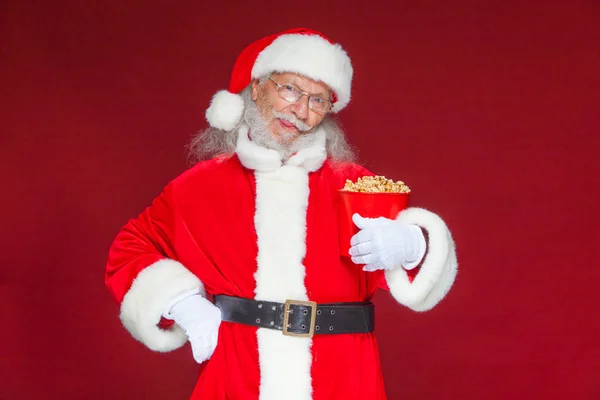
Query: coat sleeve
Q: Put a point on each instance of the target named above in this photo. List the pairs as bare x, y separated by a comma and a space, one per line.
143, 275
422, 288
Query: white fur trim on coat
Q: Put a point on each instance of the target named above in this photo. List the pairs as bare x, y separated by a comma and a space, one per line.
225, 110
253, 156
280, 222
261, 159
438, 269
147, 300
311, 158
311, 56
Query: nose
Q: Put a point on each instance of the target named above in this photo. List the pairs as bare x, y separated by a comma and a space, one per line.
300, 108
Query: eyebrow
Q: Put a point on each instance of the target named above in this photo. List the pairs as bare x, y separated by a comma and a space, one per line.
292, 81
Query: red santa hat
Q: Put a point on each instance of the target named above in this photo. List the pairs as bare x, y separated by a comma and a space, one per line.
302, 51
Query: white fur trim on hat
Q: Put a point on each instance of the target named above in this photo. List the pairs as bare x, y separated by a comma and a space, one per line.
311, 56
225, 110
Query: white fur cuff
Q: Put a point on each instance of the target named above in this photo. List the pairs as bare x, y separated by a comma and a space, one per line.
145, 302
438, 269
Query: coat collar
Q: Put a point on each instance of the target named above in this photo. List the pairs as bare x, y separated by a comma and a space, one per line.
261, 159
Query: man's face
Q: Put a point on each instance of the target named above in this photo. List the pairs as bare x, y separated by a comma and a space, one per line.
268, 101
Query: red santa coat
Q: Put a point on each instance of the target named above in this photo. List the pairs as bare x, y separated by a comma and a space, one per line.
251, 227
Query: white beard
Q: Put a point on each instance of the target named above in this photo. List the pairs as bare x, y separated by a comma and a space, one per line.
285, 145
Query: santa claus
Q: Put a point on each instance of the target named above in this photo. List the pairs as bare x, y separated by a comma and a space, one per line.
239, 254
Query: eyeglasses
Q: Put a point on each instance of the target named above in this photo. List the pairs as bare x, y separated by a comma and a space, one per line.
291, 94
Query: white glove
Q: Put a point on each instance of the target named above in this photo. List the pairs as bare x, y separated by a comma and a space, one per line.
383, 243
200, 319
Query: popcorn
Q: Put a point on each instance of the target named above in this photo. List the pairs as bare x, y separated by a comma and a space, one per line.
375, 184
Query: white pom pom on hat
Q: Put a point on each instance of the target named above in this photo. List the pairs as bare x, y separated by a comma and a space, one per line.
300, 50
225, 110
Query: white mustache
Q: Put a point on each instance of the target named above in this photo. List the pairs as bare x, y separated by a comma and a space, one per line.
301, 126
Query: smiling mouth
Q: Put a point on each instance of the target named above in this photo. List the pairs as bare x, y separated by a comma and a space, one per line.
287, 124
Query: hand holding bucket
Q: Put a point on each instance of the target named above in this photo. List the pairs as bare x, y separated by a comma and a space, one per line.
368, 205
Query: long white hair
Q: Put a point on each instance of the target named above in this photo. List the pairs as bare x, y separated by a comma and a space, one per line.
214, 142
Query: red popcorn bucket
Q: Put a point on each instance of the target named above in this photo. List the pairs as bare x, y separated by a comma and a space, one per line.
368, 205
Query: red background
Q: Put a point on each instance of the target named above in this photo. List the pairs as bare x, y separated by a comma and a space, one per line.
489, 110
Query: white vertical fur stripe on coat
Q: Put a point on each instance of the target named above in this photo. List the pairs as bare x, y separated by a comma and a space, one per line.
280, 221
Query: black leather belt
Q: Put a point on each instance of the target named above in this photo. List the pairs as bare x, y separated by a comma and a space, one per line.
299, 318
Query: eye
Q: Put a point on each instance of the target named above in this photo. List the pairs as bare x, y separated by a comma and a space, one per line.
289, 88
318, 100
